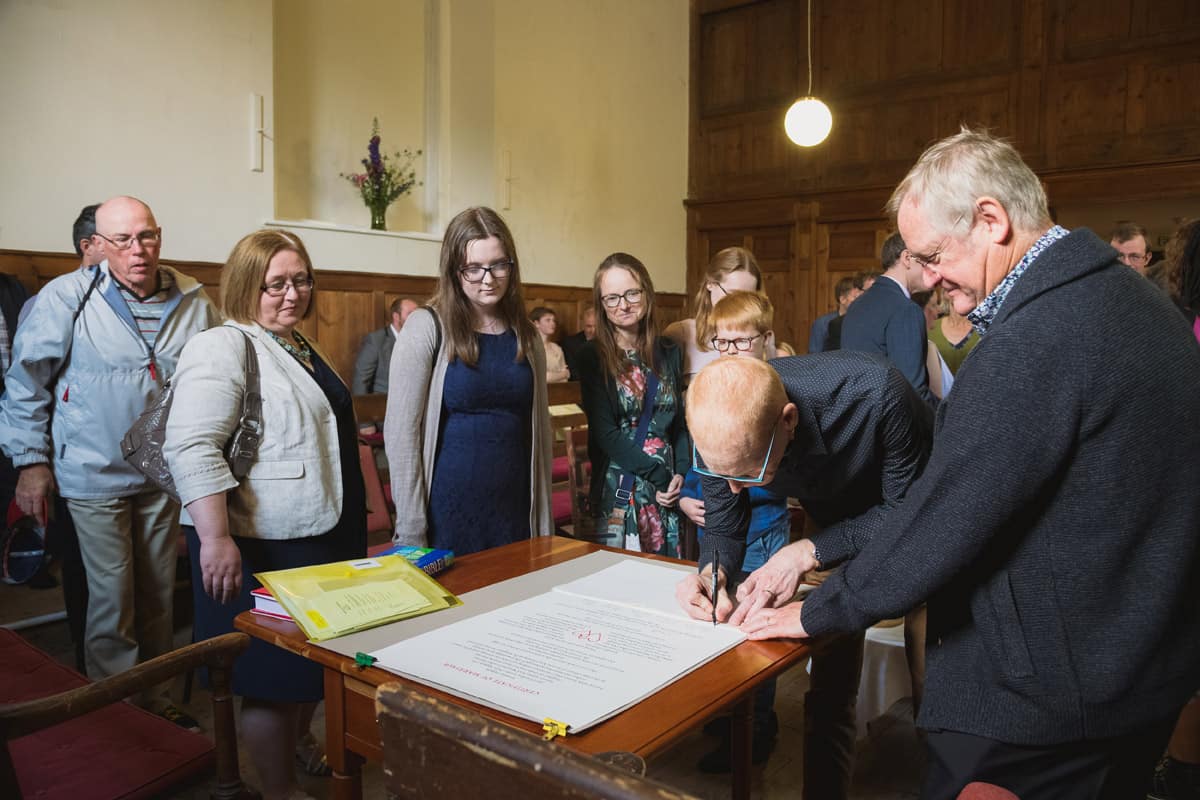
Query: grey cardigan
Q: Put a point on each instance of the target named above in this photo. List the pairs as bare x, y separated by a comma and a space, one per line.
410, 429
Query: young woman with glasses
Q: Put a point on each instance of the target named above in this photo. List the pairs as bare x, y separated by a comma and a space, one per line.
635, 487
467, 402
730, 270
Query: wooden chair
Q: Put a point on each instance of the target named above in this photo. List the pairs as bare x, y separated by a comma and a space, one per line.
434, 749
579, 482
379, 516
84, 742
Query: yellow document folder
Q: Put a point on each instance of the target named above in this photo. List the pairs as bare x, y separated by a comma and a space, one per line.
331, 600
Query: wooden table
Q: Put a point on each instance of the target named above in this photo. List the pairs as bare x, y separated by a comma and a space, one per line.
648, 728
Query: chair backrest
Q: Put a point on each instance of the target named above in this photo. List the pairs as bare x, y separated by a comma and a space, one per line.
369, 407
434, 749
61, 736
378, 518
579, 482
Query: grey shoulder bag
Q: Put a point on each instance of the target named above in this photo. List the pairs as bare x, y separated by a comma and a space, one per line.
142, 446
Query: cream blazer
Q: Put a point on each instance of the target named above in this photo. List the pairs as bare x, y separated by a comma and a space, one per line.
294, 487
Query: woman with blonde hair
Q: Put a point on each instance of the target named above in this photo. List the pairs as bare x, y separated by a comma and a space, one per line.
471, 406
301, 503
631, 392
733, 269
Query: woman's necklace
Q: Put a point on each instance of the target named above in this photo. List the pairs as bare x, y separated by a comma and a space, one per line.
302, 352
492, 326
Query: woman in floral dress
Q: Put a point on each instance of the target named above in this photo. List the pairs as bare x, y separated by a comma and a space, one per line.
615, 370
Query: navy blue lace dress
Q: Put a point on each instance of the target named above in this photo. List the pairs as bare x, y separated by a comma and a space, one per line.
480, 496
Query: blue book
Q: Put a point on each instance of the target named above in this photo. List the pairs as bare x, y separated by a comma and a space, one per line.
429, 559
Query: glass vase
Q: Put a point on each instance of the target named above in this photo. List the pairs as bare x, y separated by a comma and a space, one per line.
378, 217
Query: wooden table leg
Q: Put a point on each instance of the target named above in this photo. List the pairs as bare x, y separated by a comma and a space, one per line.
741, 727
347, 766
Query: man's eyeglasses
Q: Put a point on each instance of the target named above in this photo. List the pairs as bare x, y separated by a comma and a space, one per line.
1133, 258
473, 273
631, 296
123, 241
743, 343
279, 288
931, 261
739, 479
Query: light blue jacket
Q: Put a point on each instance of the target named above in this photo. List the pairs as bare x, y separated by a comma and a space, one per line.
75, 422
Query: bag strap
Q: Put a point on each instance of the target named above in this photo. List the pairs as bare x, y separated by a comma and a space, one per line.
437, 332
62, 365
625, 490
246, 439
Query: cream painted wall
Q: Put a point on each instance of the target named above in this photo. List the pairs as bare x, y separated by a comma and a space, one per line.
337, 65
591, 102
140, 97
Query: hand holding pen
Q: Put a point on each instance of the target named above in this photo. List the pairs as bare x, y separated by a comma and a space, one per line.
703, 595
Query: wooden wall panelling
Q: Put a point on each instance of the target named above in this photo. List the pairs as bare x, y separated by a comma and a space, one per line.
1077, 84
844, 249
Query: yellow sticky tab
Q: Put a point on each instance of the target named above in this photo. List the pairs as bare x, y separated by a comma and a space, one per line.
553, 728
317, 619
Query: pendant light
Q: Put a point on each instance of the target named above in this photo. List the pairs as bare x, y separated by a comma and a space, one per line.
808, 121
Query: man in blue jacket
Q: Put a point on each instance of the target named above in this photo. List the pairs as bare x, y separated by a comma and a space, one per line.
1055, 531
886, 321
93, 353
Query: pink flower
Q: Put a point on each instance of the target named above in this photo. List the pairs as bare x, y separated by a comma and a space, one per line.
652, 445
650, 529
634, 382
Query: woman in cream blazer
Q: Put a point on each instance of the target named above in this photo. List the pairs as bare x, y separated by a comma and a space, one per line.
301, 503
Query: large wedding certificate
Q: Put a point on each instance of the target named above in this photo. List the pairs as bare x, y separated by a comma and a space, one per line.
578, 654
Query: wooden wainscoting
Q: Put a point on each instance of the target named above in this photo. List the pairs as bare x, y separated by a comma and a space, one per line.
349, 305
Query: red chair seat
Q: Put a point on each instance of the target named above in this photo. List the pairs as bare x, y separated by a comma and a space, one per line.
560, 507
119, 751
559, 470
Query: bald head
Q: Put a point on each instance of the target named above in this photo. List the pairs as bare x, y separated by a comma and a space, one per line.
130, 240
734, 406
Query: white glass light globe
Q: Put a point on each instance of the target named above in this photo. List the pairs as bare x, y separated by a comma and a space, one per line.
808, 122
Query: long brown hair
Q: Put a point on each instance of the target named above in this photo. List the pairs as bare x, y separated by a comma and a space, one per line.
611, 355
450, 301
731, 259
1182, 265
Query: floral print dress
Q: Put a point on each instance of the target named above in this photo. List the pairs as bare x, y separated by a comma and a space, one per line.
656, 529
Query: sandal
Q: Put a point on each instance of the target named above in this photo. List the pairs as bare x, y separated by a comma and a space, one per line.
311, 757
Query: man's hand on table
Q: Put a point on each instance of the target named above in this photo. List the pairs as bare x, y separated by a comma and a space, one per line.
774, 584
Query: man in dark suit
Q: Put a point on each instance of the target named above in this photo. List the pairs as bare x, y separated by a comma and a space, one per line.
846, 435
1055, 531
572, 344
886, 321
833, 333
375, 355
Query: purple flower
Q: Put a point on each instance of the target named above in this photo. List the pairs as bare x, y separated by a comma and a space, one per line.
373, 152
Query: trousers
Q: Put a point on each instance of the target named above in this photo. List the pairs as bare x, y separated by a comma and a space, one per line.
129, 547
1104, 769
